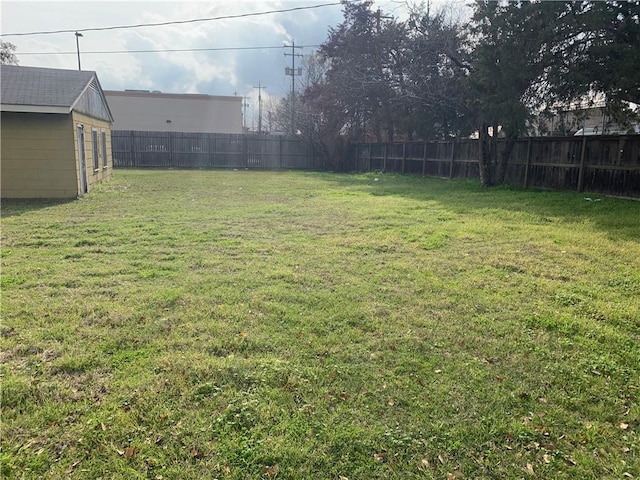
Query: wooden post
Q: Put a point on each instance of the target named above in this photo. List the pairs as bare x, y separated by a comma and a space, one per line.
212, 148
384, 160
245, 150
527, 164
404, 154
280, 151
171, 150
453, 151
424, 159
135, 156
582, 162
370, 154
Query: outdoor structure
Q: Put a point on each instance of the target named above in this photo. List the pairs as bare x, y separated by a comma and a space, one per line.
56, 132
141, 110
591, 120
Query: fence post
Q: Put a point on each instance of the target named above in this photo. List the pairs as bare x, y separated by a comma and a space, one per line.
582, 162
170, 149
245, 150
280, 151
134, 155
453, 151
424, 159
527, 164
370, 153
404, 154
212, 148
384, 160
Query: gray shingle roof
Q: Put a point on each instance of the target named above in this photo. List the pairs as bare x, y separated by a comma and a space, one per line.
42, 86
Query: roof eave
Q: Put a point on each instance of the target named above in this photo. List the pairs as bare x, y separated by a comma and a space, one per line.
35, 109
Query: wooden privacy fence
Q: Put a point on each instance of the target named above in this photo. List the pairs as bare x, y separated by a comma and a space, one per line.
136, 149
603, 164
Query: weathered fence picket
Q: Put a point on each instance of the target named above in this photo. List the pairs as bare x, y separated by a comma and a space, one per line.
602, 164
135, 149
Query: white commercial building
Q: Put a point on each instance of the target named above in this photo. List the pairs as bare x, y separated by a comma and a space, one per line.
169, 112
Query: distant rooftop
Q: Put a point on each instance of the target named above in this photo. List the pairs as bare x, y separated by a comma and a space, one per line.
159, 94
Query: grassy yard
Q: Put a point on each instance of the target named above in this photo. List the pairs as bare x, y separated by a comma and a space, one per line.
247, 325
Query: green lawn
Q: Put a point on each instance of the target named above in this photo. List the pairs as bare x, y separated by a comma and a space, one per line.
246, 325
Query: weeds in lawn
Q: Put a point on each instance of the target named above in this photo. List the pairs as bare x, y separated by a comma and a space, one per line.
179, 324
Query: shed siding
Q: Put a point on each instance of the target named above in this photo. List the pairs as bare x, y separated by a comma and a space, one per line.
92, 103
102, 173
38, 157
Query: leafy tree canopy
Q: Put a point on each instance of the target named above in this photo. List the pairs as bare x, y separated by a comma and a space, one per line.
7, 55
431, 77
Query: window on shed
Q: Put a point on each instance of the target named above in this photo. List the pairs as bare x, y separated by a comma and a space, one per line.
96, 150
104, 149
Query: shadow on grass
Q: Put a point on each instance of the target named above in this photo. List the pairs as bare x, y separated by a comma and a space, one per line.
12, 207
619, 218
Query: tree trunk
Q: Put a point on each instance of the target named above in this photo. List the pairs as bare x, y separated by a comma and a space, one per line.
484, 155
501, 170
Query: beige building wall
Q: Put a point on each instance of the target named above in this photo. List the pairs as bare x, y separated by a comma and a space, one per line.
166, 112
37, 156
102, 173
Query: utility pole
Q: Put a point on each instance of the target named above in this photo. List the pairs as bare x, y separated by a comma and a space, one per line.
378, 16
293, 72
245, 104
260, 88
78, 35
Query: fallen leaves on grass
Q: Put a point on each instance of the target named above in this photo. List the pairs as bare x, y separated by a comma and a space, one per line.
379, 457
272, 471
457, 474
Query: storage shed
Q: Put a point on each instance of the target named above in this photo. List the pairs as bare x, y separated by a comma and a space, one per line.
55, 132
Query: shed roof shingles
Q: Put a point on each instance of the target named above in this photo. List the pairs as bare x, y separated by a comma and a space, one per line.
42, 86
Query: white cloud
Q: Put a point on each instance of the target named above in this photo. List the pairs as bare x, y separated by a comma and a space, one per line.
211, 72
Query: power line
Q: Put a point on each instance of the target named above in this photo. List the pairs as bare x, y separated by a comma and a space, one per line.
167, 50
176, 22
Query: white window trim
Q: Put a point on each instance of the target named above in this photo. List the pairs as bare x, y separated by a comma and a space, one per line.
95, 149
103, 150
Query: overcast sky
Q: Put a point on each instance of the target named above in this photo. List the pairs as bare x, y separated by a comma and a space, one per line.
234, 72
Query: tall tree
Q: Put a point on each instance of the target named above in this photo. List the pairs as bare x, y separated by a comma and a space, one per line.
437, 64
536, 56
362, 70
596, 54
508, 64
7, 53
